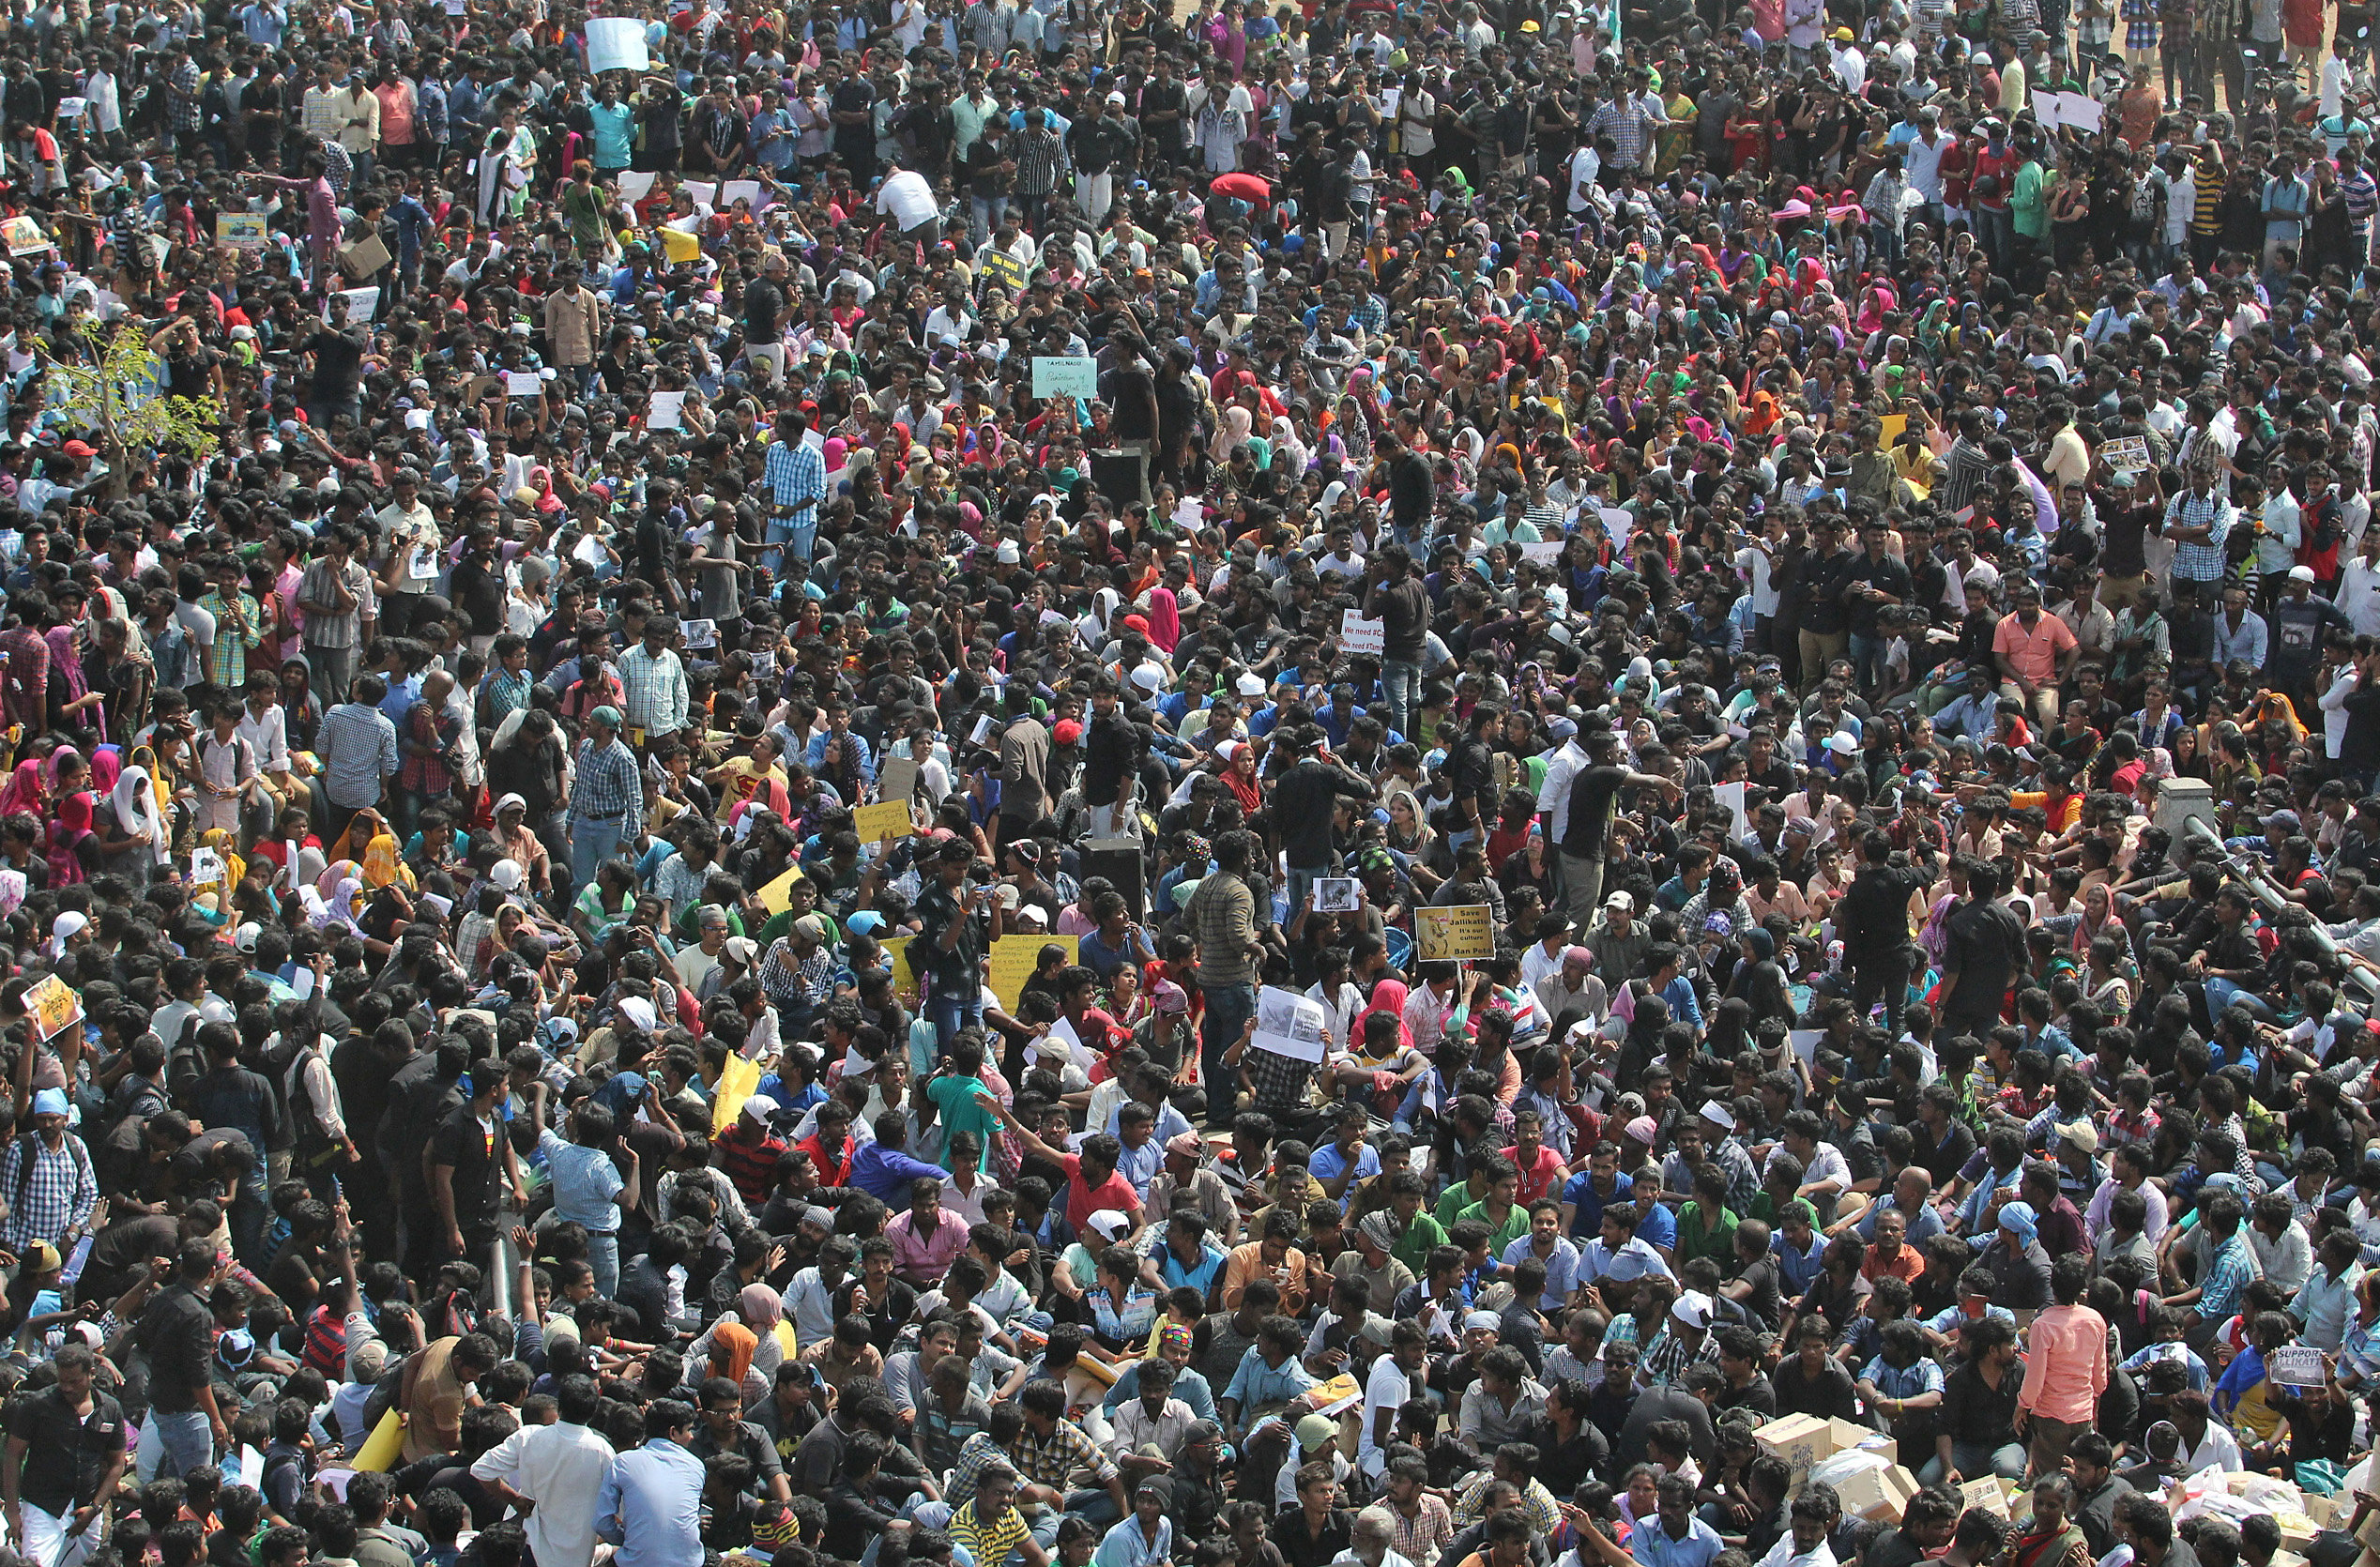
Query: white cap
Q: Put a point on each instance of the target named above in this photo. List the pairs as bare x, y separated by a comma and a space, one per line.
1841, 744
1693, 1309
506, 874
1115, 97
1149, 677
1621, 900
1007, 554
1110, 1223
2301, 573
245, 937
1249, 685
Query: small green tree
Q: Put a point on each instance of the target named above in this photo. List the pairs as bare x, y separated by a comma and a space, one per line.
116, 394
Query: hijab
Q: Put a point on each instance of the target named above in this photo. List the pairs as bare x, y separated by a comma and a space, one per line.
136, 816
1165, 619
25, 792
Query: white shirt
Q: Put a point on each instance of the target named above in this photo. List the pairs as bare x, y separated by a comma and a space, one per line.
1553, 796
268, 734
1584, 164
1536, 962
907, 198
2359, 596
1386, 1387
561, 1467
2334, 710
2217, 1449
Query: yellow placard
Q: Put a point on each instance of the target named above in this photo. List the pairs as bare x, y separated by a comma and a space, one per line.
1012, 958
738, 1081
679, 246
386, 1442
778, 895
53, 1006
875, 823
1892, 425
1456, 934
903, 983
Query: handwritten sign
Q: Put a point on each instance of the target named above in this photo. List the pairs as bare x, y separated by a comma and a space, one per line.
1359, 635
53, 1004
1466, 932
1013, 960
523, 383
778, 895
2297, 1365
665, 411
889, 819
241, 231
617, 43
738, 1081
903, 983
1066, 375
1545, 551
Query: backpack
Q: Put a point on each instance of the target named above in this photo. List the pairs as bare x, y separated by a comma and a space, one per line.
282, 1060
29, 1150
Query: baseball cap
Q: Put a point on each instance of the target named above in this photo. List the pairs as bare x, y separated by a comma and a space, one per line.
2079, 1132
506, 874
1693, 1309
2301, 573
1622, 901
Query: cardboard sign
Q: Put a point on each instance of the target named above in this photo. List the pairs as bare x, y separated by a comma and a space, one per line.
241, 230
1287, 1024
889, 819
365, 257
206, 869
677, 245
634, 184
1359, 635
53, 1006
1467, 932
617, 43
1065, 376
1545, 551
363, 305
703, 193
1012, 958
734, 191
903, 983
896, 780
524, 383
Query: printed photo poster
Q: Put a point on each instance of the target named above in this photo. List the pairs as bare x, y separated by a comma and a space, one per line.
24, 236
54, 1007
243, 232
1466, 933
1287, 1024
1338, 895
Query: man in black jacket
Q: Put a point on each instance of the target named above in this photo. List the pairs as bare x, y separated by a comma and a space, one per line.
1304, 799
1873, 917
1112, 751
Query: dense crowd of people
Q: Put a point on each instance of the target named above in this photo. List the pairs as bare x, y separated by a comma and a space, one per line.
1008, 783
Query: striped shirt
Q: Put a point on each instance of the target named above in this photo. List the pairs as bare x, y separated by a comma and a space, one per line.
359, 749
1223, 919
57, 1194
654, 687
2195, 562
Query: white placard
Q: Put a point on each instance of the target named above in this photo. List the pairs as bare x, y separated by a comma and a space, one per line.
72, 108
698, 191
523, 383
663, 411
207, 868
1338, 895
1359, 635
701, 633
735, 190
1732, 795
2077, 110
635, 184
617, 43
249, 1471
1546, 550
1805, 1043
2296, 1365
1189, 512
1287, 1024
363, 305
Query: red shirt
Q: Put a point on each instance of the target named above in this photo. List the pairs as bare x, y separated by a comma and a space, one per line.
1083, 1201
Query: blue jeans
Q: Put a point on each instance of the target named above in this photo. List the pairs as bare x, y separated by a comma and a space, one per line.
592, 843
952, 1013
1975, 1463
788, 536
1867, 662
1229, 1009
172, 1445
603, 1255
1302, 880
1403, 683
984, 215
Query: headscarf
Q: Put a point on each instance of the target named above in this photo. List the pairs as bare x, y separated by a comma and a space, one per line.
760, 1307
1387, 996
107, 766
339, 907
732, 1345
2017, 1219
380, 865
1165, 619
135, 801
58, 759
334, 876
25, 792
73, 824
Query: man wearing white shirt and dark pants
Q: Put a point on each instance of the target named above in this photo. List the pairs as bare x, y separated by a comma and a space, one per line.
560, 1469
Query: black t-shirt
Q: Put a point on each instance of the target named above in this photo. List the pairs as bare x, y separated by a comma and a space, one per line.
464, 1143
338, 364
762, 302
1591, 794
1986, 941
